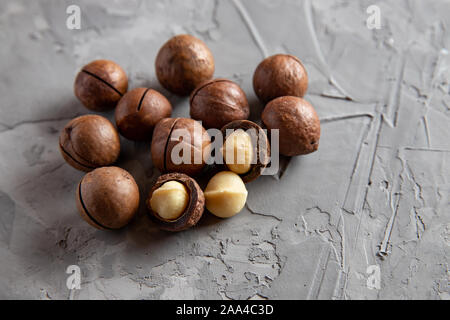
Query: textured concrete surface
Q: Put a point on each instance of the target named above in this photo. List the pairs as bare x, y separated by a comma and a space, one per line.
375, 195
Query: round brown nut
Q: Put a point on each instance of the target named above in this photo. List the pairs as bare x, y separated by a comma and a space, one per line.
280, 75
218, 102
100, 85
247, 147
183, 63
173, 135
194, 203
138, 112
107, 198
298, 123
89, 142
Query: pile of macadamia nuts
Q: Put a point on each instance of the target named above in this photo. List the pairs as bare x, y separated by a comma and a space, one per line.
107, 196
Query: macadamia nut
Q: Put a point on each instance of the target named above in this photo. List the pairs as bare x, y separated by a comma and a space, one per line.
183, 63
88, 142
170, 200
107, 198
225, 194
238, 151
297, 122
100, 85
246, 134
138, 112
180, 134
280, 75
178, 197
217, 102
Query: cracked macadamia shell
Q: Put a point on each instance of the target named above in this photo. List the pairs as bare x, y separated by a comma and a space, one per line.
193, 210
280, 75
225, 194
259, 144
183, 63
298, 124
89, 142
139, 111
174, 135
218, 102
107, 198
100, 85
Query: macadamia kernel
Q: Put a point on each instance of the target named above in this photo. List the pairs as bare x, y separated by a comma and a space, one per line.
225, 194
238, 151
170, 200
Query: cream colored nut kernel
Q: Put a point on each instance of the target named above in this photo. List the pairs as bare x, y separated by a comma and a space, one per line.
170, 200
225, 194
238, 151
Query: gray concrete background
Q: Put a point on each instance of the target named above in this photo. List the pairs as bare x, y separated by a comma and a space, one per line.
375, 194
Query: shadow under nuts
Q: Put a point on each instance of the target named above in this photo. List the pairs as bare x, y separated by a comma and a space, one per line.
246, 149
89, 142
298, 123
280, 75
175, 202
218, 102
180, 145
107, 198
183, 63
225, 194
100, 85
138, 112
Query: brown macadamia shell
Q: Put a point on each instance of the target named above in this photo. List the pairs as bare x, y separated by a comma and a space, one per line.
89, 142
280, 75
261, 150
138, 112
218, 102
163, 144
193, 211
100, 85
107, 198
183, 63
298, 124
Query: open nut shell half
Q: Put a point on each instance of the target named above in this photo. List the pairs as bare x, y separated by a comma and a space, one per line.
194, 209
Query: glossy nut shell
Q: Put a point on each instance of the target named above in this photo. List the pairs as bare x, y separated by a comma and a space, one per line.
164, 141
218, 102
298, 124
193, 211
280, 75
107, 198
183, 63
139, 111
100, 85
89, 142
